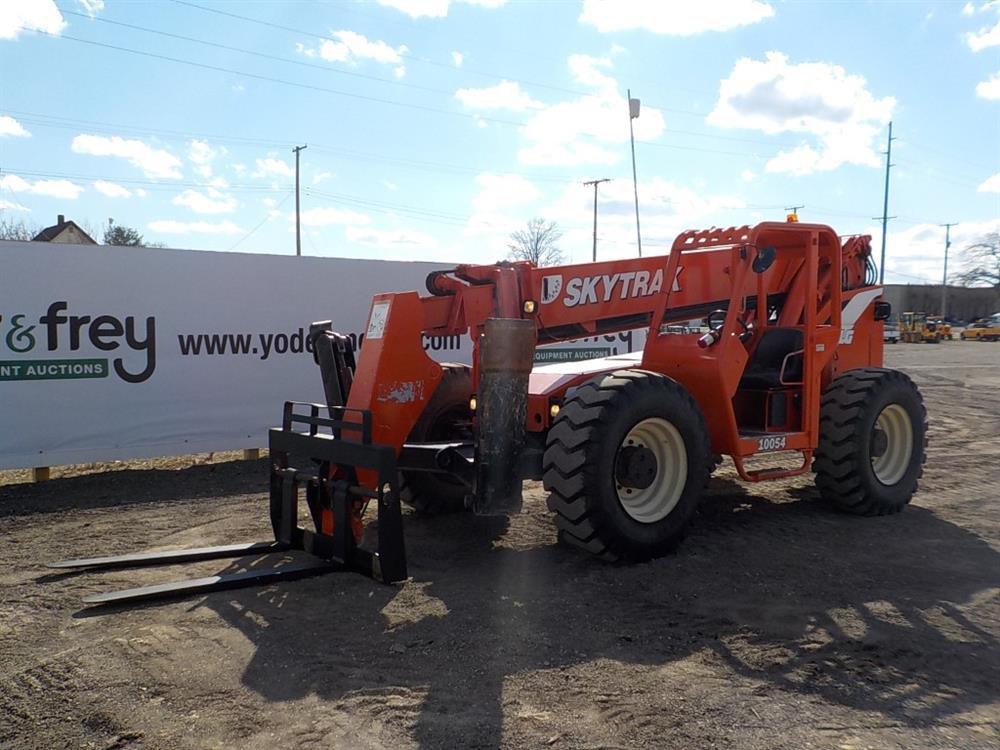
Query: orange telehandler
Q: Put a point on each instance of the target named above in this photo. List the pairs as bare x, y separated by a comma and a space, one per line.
791, 363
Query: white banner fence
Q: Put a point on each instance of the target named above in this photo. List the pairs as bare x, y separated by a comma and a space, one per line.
117, 353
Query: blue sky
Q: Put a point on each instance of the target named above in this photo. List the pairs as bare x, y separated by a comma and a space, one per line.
435, 128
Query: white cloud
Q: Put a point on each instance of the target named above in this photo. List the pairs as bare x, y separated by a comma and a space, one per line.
434, 8
667, 209
50, 188
140, 192
968, 9
350, 47
203, 155
29, 15
272, 167
673, 18
818, 99
389, 185
987, 36
200, 152
6, 205
91, 7
322, 217
497, 194
916, 253
991, 184
213, 202
458, 58
505, 95
990, 88
112, 189
591, 129
169, 226
391, 239
748, 175
10, 126
153, 162
322, 177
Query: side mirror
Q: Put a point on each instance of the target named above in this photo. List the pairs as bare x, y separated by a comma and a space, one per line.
765, 257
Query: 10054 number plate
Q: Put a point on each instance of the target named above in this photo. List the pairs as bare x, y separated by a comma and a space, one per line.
771, 443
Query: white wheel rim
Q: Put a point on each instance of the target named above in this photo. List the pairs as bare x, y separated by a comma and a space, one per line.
655, 502
890, 467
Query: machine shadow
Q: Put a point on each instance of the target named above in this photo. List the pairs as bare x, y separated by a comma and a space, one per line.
860, 612
133, 486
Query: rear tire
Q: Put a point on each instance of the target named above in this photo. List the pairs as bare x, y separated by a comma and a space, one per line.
872, 444
626, 462
447, 417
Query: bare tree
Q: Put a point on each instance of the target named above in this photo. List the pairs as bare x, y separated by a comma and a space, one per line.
982, 262
17, 230
537, 243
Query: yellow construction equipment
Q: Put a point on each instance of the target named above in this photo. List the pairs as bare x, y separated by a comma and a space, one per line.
915, 328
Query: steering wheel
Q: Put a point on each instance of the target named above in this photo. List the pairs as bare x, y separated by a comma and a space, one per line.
717, 318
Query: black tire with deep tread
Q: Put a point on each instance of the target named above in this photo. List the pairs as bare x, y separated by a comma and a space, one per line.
580, 452
436, 494
849, 408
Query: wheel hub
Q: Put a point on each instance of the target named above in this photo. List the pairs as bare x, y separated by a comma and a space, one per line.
650, 470
880, 443
635, 467
891, 445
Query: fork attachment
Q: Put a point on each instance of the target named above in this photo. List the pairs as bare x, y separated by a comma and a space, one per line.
326, 465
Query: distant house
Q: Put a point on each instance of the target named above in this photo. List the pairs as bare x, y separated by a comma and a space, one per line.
66, 232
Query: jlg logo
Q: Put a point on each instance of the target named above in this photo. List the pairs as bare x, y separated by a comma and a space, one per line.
585, 290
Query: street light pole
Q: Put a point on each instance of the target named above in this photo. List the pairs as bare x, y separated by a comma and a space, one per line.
633, 112
944, 280
298, 233
595, 183
885, 204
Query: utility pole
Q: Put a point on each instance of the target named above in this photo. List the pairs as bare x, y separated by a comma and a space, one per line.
944, 280
633, 112
595, 183
793, 211
298, 232
885, 202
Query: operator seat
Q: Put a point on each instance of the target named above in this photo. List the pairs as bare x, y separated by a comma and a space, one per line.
764, 369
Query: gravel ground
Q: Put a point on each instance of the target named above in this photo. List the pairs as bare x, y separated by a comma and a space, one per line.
778, 624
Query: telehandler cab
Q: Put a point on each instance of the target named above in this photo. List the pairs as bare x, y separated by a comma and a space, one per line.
791, 363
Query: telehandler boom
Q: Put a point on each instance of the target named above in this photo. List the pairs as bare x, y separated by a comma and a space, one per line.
790, 362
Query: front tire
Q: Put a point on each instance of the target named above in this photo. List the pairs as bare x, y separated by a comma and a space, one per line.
872, 444
626, 462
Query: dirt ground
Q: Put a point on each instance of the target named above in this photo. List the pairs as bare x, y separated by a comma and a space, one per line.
778, 624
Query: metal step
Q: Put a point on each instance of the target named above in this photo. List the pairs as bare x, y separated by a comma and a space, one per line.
214, 583
170, 557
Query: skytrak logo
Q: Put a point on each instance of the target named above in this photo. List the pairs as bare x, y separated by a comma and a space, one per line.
586, 290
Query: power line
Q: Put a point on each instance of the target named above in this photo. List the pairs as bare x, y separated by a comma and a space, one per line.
302, 63
151, 184
403, 83
262, 222
416, 58
285, 82
404, 55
